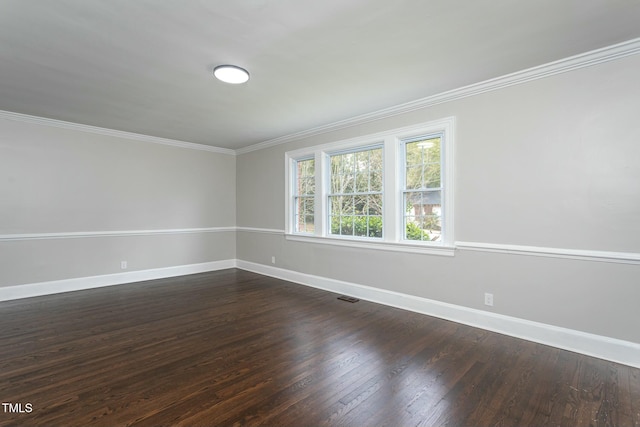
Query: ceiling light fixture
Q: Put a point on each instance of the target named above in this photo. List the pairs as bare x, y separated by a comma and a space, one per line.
231, 74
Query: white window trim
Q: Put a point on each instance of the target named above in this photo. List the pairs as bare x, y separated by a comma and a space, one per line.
292, 188
393, 234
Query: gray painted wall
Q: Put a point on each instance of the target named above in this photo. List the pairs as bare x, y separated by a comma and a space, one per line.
55, 180
550, 163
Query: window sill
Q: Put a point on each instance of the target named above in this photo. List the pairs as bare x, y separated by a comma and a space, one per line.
382, 245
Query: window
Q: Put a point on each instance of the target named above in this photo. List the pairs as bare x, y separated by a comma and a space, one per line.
392, 190
422, 189
355, 195
304, 196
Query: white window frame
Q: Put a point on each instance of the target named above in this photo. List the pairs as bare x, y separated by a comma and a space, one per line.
327, 186
403, 178
295, 195
393, 187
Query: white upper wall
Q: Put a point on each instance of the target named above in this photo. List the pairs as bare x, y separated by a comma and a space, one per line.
61, 180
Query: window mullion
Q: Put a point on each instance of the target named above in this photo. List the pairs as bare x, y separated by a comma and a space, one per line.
390, 194
319, 200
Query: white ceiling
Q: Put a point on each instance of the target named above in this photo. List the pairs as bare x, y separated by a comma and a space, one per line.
144, 66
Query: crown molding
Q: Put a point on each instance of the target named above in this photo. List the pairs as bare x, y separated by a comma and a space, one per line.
588, 59
583, 60
25, 118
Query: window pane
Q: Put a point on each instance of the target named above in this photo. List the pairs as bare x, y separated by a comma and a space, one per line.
376, 180
423, 215
414, 177
305, 215
346, 225
375, 226
347, 173
362, 181
335, 174
430, 149
375, 170
356, 172
374, 204
342, 183
347, 162
335, 183
431, 175
356, 193
347, 207
334, 223
308, 206
306, 186
413, 161
303, 197
335, 204
422, 209
375, 158
341, 205
306, 176
362, 162
306, 168
360, 204
348, 183
360, 226
422, 163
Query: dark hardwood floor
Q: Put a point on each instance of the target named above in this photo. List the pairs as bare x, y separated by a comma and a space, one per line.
236, 348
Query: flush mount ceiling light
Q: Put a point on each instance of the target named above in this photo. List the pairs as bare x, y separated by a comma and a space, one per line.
231, 74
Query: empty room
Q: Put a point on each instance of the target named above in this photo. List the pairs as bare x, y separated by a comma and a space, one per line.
335, 213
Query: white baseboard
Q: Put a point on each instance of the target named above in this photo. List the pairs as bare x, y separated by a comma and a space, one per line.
80, 283
619, 351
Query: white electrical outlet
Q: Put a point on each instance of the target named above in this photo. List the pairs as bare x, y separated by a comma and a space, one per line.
273, 260
123, 265
488, 299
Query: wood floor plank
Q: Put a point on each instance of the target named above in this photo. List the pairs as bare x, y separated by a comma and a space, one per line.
634, 394
236, 348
